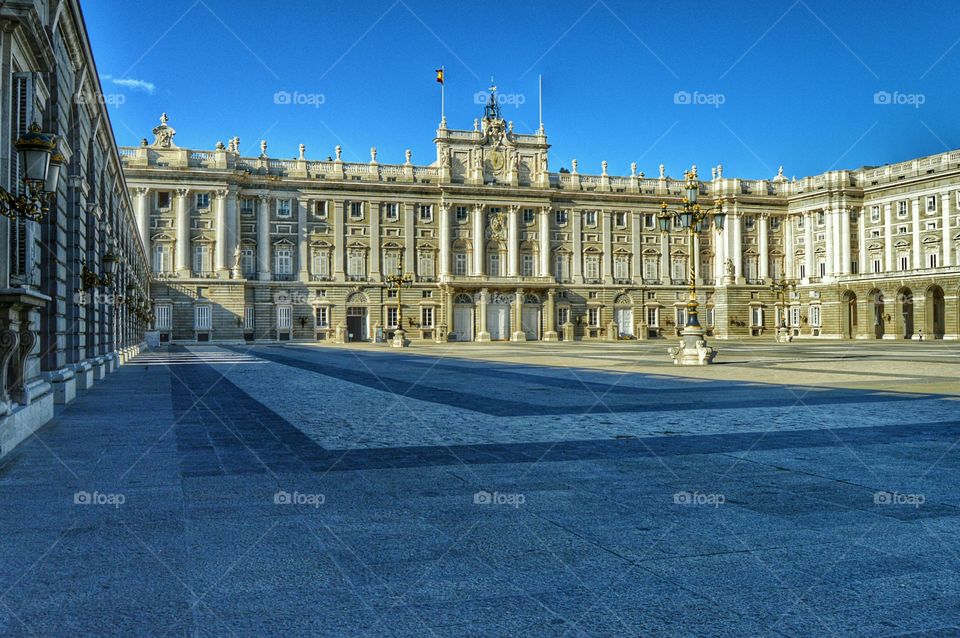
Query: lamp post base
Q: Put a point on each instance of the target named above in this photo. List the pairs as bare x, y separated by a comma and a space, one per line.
692, 349
400, 339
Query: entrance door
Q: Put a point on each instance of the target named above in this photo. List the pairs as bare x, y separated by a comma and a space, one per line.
356, 324
530, 321
498, 321
624, 319
463, 323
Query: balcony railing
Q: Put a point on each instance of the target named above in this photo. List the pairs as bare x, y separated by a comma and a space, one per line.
283, 276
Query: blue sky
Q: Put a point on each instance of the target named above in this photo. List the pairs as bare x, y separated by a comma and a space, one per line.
811, 85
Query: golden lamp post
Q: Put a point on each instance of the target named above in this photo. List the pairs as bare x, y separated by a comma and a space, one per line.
398, 282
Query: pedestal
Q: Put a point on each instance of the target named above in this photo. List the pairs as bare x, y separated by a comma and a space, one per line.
518, 336
568, 331
692, 349
483, 335
400, 339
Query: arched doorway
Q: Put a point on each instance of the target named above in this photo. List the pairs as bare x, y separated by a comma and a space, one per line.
905, 307
623, 316
357, 318
935, 315
849, 315
462, 329
879, 318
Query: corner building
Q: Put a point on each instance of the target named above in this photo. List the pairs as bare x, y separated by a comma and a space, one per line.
501, 248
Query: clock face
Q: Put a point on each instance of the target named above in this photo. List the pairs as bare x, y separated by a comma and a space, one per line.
496, 160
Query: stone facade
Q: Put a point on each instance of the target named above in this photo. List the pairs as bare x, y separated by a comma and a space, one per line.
501, 248
58, 336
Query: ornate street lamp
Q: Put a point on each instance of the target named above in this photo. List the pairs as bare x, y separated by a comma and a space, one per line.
89, 279
693, 349
779, 289
36, 152
398, 282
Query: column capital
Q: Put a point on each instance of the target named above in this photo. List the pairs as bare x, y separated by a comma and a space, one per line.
141, 191
220, 193
183, 192
262, 197
478, 208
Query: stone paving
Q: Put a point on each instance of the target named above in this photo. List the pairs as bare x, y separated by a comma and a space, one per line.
521, 490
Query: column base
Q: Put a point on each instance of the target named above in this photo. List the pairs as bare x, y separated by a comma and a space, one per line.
518, 336
483, 336
400, 339
64, 384
23, 421
692, 349
551, 335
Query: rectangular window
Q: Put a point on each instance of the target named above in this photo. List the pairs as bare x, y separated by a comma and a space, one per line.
391, 211
356, 210
561, 217
391, 263
932, 260
875, 214
679, 270
527, 215
526, 265
356, 264
321, 263
426, 265
591, 268
901, 209
590, 218
493, 265
815, 316
461, 212
821, 218
201, 259
284, 317
593, 317
392, 317
248, 262
161, 320
246, 206
822, 268
560, 267
709, 316
203, 200
201, 317
283, 261
877, 265
931, 203
749, 222
653, 317
249, 318
681, 317
904, 262
161, 258
426, 213
756, 316
283, 208
794, 315
650, 268
803, 271
620, 219
163, 200
649, 221
460, 264
320, 208
800, 219
323, 317
426, 317
621, 268
563, 315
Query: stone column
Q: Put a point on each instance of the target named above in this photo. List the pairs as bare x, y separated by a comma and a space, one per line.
830, 236
445, 241
946, 240
339, 239
635, 240
303, 243
737, 248
577, 258
719, 255
233, 230
764, 258
545, 213
220, 233
482, 333
513, 241
845, 254
665, 275
373, 209
478, 241
550, 321
409, 239
607, 237
263, 239
518, 333
916, 231
789, 269
809, 250
142, 205
862, 247
888, 237
182, 214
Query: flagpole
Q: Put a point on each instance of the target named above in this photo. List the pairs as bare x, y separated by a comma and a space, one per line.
540, 100
443, 113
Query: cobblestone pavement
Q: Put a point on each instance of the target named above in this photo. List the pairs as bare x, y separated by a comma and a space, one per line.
495, 490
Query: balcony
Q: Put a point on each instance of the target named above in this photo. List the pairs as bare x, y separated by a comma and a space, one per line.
283, 276
203, 274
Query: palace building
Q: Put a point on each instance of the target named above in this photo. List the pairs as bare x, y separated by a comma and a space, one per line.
498, 247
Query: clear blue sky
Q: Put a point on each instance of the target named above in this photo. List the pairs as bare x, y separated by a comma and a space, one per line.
778, 81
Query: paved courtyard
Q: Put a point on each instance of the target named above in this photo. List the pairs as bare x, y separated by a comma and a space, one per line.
494, 490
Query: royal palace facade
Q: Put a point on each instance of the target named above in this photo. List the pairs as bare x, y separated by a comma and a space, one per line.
74, 277
498, 247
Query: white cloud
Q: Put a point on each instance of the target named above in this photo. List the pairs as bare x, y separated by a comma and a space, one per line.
130, 83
